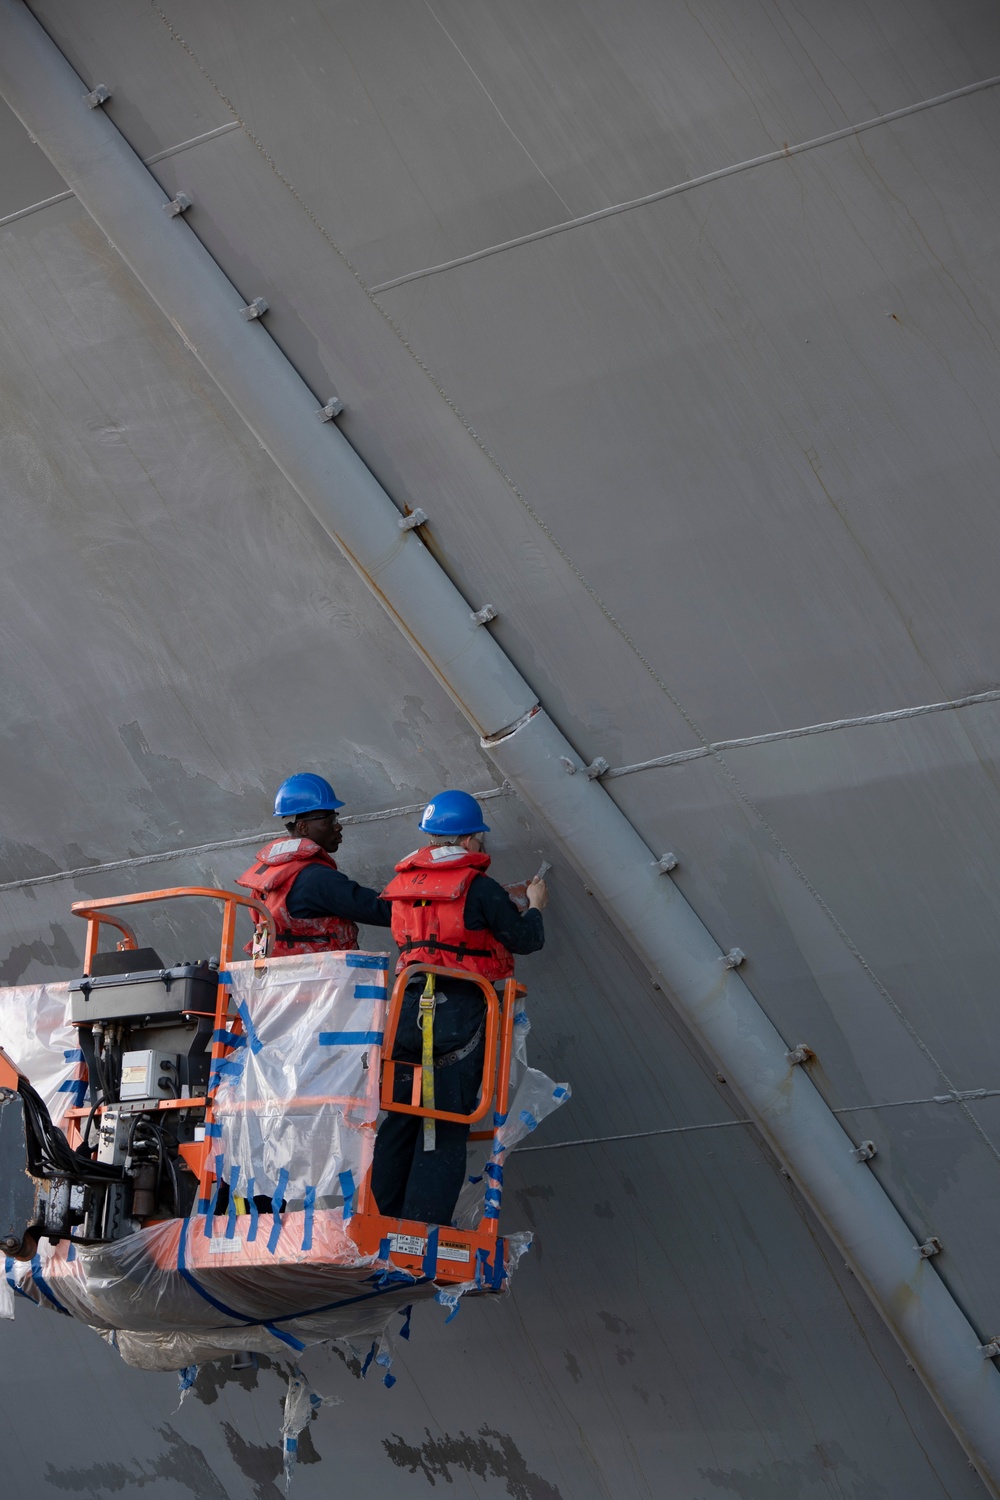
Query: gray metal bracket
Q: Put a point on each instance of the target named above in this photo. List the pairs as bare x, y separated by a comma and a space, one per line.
97, 96
800, 1054
931, 1246
666, 863
485, 615
416, 518
733, 958
865, 1151
332, 409
254, 309
178, 205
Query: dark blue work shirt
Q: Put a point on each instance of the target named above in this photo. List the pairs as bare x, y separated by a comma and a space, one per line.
489, 908
321, 892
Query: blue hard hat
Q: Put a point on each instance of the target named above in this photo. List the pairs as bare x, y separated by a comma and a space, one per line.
304, 793
454, 813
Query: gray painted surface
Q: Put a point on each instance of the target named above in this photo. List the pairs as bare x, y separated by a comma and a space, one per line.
777, 534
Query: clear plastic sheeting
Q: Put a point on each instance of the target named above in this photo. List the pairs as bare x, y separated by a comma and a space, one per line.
295, 1112
186, 1291
297, 1098
533, 1097
36, 1034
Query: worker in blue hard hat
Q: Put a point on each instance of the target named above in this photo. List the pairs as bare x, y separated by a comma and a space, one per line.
315, 906
448, 912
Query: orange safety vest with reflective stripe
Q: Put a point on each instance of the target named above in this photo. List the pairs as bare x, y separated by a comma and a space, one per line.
428, 913
272, 877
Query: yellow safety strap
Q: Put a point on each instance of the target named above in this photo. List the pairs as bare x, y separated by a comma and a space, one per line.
426, 1023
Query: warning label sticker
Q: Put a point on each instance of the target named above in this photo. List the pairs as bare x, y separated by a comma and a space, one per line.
452, 1252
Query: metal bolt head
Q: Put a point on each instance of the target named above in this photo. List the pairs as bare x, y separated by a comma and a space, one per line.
734, 958
254, 309
100, 95
178, 205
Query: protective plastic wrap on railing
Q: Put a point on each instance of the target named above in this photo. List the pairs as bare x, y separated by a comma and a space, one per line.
298, 1104
36, 1035
533, 1096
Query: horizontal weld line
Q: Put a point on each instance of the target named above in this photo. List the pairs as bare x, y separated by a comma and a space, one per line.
149, 161
891, 717
245, 840
958, 1097
693, 182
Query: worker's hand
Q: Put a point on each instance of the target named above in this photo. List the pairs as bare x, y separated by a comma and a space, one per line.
537, 893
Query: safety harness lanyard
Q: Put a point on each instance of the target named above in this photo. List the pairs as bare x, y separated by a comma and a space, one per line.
426, 1023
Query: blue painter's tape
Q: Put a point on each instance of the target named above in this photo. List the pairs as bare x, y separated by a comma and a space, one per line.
477, 1178
482, 1264
366, 961
254, 1212
383, 1249
230, 1038
429, 1267
498, 1270
43, 1286
405, 1313
214, 1203
71, 1252
449, 1299
347, 1188
494, 1171
234, 1179
230, 1067
196, 1286
499, 1120
368, 1359
309, 1205
560, 1091
388, 1380
491, 1209
186, 1378
204, 1204
291, 1445
276, 1201
286, 1338
370, 992
213, 1128
253, 1040
350, 1038
520, 1017
527, 1118
73, 1054
77, 1087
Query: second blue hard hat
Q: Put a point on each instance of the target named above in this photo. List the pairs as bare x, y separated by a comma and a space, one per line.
453, 814
304, 793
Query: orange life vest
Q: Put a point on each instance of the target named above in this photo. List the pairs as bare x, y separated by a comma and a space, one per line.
428, 913
272, 877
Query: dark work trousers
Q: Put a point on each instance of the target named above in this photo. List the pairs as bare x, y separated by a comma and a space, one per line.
407, 1181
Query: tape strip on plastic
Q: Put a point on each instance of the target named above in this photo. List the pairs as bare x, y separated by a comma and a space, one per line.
254, 1212
350, 1038
43, 1286
347, 1188
429, 1267
253, 1040
276, 1202
214, 1202
309, 1207
234, 1179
